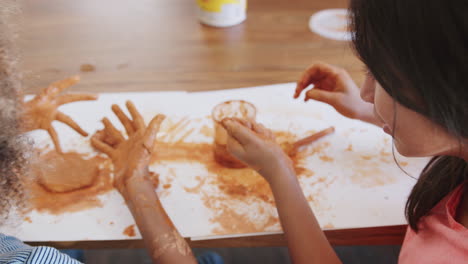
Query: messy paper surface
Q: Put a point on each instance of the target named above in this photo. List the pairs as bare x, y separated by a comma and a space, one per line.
349, 177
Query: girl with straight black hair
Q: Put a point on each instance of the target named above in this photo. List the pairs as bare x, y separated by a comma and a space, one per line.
416, 89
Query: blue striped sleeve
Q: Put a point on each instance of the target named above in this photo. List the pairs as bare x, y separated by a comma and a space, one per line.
13, 251
40, 255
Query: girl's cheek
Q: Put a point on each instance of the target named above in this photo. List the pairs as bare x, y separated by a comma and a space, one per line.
368, 90
384, 105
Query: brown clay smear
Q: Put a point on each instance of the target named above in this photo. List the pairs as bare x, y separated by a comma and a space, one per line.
182, 151
367, 173
241, 182
67, 182
207, 131
303, 171
129, 231
237, 185
234, 182
197, 188
232, 222
326, 158
244, 183
173, 130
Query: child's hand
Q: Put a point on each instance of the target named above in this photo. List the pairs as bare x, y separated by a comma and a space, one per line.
42, 110
334, 86
131, 156
255, 145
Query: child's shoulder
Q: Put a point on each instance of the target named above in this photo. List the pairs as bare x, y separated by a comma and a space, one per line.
440, 234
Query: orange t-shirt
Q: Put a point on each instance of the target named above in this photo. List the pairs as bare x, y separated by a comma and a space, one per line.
440, 239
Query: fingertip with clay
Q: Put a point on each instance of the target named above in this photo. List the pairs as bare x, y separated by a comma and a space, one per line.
151, 132
244, 122
153, 129
231, 123
299, 88
131, 108
98, 135
90, 97
296, 95
156, 122
160, 118
227, 123
99, 145
297, 92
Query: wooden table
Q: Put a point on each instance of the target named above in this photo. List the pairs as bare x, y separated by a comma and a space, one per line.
157, 45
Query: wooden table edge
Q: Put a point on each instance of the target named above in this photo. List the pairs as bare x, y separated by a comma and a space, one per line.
383, 235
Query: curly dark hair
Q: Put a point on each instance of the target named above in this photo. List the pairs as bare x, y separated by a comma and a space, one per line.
12, 145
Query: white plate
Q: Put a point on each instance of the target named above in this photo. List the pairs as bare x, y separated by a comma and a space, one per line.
331, 23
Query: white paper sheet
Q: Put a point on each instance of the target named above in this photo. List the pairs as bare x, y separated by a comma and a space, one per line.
361, 187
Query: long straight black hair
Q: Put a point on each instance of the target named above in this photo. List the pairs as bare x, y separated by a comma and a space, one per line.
418, 52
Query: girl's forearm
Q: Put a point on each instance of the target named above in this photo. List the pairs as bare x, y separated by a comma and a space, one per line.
163, 242
306, 241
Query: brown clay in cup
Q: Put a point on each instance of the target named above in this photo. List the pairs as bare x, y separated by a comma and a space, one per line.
235, 108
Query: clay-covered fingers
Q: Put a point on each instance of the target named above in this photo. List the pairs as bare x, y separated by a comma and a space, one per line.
70, 98
126, 122
152, 130
239, 132
55, 139
69, 121
321, 75
57, 87
97, 141
138, 122
263, 131
258, 128
113, 135
241, 121
234, 147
